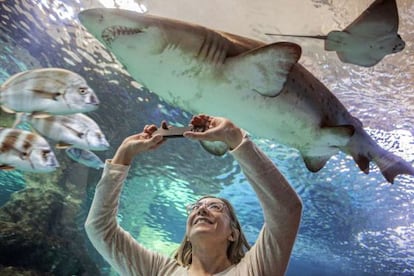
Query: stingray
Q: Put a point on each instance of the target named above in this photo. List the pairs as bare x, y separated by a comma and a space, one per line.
368, 39
260, 87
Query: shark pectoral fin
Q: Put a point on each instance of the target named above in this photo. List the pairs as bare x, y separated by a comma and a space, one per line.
264, 69
337, 41
216, 148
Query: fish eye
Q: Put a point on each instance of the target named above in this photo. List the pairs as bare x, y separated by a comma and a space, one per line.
83, 90
45, 153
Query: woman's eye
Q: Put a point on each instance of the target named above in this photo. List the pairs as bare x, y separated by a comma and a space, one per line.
214, 206
195, 207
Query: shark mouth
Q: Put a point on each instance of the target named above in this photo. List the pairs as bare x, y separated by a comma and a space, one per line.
111, 33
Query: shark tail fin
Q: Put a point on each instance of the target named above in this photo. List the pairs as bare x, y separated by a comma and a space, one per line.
392, 165
364, 150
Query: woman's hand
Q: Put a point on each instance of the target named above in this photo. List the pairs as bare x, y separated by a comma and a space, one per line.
136, 144
215, 129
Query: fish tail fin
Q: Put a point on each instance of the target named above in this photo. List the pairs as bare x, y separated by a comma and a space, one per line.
20, 118
364, 150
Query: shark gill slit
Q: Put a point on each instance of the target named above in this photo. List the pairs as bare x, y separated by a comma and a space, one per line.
210, 49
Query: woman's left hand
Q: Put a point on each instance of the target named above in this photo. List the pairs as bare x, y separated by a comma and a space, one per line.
215, 129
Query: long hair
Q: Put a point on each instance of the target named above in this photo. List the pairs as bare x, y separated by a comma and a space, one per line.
235, 250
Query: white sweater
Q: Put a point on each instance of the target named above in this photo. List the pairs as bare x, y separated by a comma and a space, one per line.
269, 256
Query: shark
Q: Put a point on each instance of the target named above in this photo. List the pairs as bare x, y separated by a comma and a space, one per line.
368, 39
260, 87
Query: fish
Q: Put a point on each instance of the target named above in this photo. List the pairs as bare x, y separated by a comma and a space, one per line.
260, 87
76, 130
54, 91
25, 151
85, 157
368, 39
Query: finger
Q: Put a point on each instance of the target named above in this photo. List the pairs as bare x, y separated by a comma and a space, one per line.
164, 125
150, 129
155, 141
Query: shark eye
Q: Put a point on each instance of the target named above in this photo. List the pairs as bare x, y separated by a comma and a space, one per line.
83, 90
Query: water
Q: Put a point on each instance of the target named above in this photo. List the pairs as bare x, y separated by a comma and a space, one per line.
353, 224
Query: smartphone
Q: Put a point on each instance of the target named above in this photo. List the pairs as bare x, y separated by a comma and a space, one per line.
176, 132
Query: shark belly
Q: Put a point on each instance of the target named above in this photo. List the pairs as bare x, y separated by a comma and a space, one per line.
197, 87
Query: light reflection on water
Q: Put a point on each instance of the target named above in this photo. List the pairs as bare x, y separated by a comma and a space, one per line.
349, 219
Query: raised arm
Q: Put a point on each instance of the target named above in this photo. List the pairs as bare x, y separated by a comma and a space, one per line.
117, 246
281, 205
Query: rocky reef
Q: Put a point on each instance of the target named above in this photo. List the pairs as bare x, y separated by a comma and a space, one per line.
41, 226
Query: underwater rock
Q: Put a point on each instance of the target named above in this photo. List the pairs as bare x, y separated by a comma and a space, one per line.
40, 229
12, 271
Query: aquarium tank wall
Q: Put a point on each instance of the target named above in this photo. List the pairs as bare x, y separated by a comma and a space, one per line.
352, 223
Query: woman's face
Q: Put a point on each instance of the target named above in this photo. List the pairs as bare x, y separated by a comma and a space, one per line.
208, 218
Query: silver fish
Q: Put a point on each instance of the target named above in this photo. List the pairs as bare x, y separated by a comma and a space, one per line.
368, 39
26, 151
48, 90
85, 157
260, 87
70, 130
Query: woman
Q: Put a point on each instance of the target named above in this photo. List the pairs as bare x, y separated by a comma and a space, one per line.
214, 243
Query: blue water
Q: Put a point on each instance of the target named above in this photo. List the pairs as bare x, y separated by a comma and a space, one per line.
353, 224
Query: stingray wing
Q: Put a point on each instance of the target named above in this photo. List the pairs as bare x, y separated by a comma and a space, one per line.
379, 19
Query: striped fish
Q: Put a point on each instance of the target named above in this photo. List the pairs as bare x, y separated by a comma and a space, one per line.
85, 157
26, 151
70, 130
48, 90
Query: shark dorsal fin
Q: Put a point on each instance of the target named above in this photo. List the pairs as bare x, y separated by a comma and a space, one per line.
265, 67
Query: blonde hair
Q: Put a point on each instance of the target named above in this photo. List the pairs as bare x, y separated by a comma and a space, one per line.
236, 248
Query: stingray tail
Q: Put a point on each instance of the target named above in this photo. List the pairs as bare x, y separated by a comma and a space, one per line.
364, 150
323, 37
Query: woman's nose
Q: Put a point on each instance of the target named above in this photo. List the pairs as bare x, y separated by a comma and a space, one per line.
202, 209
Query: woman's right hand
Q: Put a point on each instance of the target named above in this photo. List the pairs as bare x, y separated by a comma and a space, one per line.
137, 143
